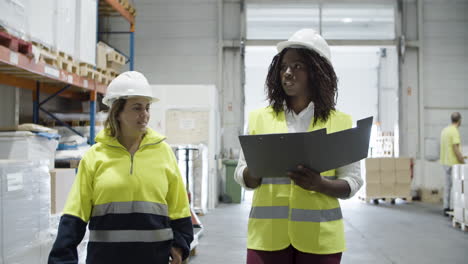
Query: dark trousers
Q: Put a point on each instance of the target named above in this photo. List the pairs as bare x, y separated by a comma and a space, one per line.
290, 255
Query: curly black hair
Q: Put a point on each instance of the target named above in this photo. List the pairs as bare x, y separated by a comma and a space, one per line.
323, 84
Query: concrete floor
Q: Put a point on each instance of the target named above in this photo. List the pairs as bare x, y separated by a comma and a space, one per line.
378, 234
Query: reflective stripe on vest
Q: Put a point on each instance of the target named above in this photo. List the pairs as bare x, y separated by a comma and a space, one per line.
269, 212
299, 215
130, 207
302, 215
130, 235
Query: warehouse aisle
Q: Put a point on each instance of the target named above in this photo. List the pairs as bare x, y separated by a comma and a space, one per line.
384, 233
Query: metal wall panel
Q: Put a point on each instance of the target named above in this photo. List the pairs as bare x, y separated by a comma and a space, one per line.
445, 56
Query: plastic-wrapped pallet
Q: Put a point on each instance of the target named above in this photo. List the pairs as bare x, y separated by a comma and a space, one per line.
25, 211
200, 180
459, 174
25, 145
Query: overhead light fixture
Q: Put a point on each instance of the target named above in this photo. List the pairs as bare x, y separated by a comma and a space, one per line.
347, 20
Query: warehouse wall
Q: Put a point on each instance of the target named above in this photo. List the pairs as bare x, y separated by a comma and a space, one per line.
445, 68
434, 77
175, 41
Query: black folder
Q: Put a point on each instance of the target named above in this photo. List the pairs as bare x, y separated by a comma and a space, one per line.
273, 155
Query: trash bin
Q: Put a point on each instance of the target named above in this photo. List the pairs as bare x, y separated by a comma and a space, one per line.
233, 189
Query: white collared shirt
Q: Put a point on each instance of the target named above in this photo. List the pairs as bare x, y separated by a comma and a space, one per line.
300, 123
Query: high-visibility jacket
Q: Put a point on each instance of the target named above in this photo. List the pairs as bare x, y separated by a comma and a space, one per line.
283, 213
136, 205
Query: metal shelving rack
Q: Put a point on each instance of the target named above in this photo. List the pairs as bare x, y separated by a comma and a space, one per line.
112, 8
21, 71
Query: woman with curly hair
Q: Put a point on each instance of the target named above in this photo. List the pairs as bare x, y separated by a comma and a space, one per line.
297, 219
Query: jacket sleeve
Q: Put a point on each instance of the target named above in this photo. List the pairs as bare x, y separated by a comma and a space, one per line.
71, 231
179, 210
76, 213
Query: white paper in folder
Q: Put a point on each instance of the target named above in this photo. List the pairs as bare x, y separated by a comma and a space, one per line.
272, 155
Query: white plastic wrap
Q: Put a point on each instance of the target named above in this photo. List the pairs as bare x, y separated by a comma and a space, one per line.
86, 21
83, 130
200, 181
24, 145
41, 15
99, 117
14, 17
65, 21
70, 154
25, 211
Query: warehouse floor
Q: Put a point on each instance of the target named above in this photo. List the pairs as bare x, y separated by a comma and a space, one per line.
401, 233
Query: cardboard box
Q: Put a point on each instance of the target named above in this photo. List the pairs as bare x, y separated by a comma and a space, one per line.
459, 214
433, 196
61, 181
387, 164
372, 164
372, 190
403, 176
402, 164
372, 177
101, 54
403, 190
387, 189
387, 177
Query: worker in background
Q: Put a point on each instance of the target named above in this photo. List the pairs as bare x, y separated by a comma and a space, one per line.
128, 188
297, 219
450, 154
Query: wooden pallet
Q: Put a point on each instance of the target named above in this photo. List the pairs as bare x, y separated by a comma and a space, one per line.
459, 224
45, 55
15, 44
66, 62
389, 199
102, 78
87, 70
116, 57
124, 3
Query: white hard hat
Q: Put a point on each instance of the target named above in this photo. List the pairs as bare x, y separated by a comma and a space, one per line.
128, 84
309, 39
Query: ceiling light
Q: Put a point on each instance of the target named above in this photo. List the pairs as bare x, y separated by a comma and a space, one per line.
347, 20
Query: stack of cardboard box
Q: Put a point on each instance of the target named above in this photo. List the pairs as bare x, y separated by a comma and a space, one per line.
386, 178
61, 181
460, 193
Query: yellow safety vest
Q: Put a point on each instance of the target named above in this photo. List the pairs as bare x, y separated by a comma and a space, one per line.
283, 213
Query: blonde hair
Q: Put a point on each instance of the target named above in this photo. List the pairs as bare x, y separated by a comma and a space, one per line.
112, 123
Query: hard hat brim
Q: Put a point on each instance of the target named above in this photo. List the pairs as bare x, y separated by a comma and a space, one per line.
294, 44
110, 100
